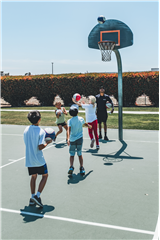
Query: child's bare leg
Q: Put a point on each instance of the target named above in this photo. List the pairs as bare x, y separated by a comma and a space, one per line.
66, 127
81, 161
60, 130
71, 160
33, 183
42, 182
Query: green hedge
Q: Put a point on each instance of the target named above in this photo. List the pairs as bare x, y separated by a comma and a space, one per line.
16, 89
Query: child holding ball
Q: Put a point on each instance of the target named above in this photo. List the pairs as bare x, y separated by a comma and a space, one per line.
91, 118
34, 138
60, 112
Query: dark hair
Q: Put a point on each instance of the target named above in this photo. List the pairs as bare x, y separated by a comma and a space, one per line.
73, 111
101, 87
34, 116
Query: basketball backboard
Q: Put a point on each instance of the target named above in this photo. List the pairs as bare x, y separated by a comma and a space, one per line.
112, 30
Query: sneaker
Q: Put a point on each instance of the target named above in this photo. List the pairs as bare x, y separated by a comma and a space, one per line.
82, 171
106, 138
100, 136
54, 139
92, 143
31, 202
97, 147
71, 170
37, 200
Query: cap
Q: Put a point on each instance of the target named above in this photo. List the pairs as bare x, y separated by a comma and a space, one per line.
101, 87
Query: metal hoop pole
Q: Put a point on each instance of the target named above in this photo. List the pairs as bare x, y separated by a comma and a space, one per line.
120, 93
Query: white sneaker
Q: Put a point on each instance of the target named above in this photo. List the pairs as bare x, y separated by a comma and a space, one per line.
97, 147
92, 143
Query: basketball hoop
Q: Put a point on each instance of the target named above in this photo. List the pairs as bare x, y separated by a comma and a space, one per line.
106, 48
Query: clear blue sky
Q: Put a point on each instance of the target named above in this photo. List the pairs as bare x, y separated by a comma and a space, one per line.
34, 34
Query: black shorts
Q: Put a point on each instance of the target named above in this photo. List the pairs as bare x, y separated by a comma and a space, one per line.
63, 124
38, 170
102, 116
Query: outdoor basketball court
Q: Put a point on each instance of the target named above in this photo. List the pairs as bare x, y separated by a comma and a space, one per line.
116, 199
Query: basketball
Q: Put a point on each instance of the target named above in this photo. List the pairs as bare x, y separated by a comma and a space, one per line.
108, 105
59, 111
50, 134
77, 97
101, 19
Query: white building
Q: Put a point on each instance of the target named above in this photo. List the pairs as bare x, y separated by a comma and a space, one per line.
154, 69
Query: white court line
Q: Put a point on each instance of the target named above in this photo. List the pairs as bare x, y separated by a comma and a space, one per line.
156, 234
79, 221
13, 161
8, 134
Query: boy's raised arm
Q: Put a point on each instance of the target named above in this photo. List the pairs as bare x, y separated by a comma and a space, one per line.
79, 104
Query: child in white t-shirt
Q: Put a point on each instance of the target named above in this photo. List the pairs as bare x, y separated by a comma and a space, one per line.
34, 138
91, 119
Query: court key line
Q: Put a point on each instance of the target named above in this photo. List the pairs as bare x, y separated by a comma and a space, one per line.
13, 161
78, 221
156, 234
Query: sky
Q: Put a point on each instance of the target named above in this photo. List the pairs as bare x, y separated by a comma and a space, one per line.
36, 33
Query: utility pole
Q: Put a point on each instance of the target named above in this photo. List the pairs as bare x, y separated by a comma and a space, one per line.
52, 67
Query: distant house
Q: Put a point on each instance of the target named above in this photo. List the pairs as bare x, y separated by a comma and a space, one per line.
4, 74
154, 69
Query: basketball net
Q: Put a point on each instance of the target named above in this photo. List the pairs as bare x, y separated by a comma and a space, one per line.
106, 48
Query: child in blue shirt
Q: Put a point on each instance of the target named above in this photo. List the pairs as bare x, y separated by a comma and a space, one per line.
75, 138
34, 138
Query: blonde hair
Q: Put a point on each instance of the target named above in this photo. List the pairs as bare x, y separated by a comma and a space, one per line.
93, 100
58, 99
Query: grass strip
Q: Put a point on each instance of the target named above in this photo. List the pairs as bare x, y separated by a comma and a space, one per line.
143, 109
130, 121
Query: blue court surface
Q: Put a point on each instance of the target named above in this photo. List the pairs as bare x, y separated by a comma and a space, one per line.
118, 198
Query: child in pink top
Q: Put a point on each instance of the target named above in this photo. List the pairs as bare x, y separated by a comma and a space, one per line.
91, 118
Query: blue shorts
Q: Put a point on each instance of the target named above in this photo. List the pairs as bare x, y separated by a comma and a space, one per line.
76, 145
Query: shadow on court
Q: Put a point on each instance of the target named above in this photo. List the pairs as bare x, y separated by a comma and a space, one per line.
76, 178
116, 156
60, 145
95, 150
105, 141
90, 150
32, 213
